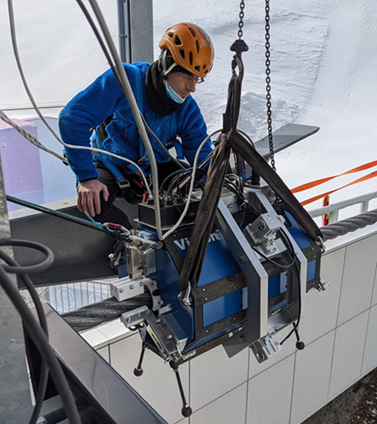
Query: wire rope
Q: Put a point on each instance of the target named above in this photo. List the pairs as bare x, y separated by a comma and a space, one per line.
29, 137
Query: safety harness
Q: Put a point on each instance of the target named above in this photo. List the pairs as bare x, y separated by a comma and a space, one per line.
144, 162
98, 138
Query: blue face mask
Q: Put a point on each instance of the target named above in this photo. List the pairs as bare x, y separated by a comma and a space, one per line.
173, 95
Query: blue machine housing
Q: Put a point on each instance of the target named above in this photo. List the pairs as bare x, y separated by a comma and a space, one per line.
219, 313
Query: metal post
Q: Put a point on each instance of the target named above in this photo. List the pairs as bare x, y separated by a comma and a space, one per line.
135, 25
15, 400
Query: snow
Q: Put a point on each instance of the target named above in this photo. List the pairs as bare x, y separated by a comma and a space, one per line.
322, 70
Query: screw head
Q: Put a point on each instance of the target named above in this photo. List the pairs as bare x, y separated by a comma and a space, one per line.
261, 225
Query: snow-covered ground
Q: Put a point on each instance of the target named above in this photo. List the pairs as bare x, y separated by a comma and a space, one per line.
323, 65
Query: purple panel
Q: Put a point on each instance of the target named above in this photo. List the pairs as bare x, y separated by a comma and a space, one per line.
20, 161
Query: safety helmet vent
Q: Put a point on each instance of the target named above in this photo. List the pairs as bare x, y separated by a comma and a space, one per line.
191, 56
197, 46
182, 53
192, 32
177, 41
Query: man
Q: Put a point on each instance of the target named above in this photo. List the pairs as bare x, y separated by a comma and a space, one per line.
186, 57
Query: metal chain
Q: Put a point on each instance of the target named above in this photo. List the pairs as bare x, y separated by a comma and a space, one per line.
240, 23
268, 85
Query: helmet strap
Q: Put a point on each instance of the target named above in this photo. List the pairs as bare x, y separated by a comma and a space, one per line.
165, 71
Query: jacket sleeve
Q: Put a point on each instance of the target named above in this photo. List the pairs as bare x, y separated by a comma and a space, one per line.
193, 130
85, 112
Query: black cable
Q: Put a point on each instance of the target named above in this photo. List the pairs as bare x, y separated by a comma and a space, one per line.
32, 268
40, 340
273, 262
299, 344
43, 379
100, 41
175, 183
168, 178
161, 143
249, 211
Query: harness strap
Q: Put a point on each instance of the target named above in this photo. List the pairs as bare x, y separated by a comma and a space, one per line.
106, 159
110, 165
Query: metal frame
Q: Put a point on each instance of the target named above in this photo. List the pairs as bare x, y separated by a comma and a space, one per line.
135, 23
257, 282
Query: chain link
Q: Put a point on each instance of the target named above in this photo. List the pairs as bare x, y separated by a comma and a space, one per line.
240, 23
268, 85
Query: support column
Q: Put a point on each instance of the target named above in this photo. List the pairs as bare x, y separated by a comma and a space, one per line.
15, 400
135, 20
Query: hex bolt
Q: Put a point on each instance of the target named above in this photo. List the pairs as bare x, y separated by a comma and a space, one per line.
141, 284
131, 287
121, 290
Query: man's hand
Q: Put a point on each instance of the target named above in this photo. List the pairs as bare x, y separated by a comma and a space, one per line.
88, 196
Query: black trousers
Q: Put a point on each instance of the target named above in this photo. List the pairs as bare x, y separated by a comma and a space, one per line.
109, 212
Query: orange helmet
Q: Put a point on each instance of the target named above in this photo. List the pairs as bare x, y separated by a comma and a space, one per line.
191, 48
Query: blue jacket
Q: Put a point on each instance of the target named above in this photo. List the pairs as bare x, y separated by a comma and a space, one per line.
103, 98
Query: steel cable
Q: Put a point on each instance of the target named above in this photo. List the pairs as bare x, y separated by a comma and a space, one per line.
349, 225
107, 310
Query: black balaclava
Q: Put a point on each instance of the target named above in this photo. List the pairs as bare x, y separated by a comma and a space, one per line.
155, 89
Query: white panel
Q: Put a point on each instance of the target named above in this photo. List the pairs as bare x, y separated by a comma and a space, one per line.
358, 278
114, 330
349, 345
288, 347
213, 374
374, 298
269, 394
95, 338
183, 421
312, 377
158, 384
370, 353
321, 309
230, 408
104, 352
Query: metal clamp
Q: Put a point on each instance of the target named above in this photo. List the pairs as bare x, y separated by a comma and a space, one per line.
163, 336
125, 288
265, 347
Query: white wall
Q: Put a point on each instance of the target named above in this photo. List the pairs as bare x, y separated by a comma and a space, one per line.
339, 329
